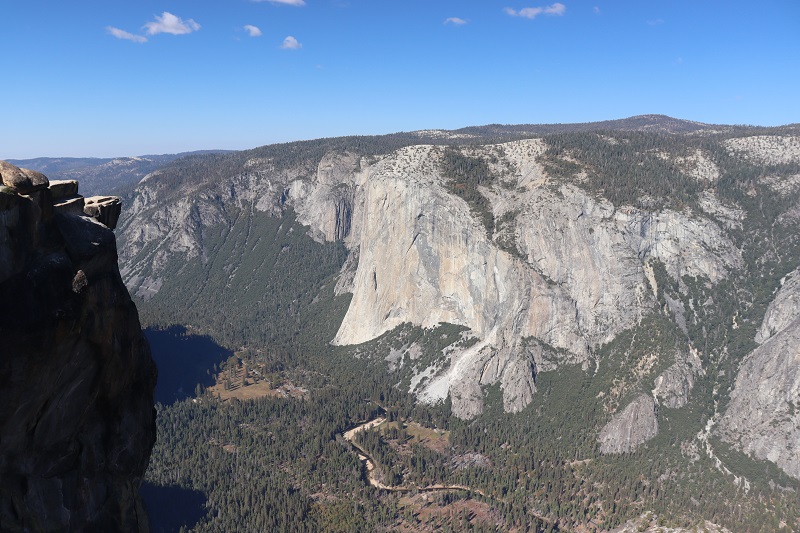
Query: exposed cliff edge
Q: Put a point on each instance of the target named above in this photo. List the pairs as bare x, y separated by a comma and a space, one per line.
76, 378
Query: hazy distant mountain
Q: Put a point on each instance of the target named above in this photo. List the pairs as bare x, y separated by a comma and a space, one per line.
116, 175
642, 123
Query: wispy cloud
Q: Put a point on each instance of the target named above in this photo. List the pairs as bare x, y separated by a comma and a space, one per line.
555, 9
656, 22
122, 34
533, 12
252, 31
169, 23
298, 3
290, 43
455, 21
596, 10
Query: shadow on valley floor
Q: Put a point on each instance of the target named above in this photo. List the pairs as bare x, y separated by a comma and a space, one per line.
184, 361
170, 508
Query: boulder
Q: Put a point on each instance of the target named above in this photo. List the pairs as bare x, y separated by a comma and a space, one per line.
22, 180
63, 189
105, 209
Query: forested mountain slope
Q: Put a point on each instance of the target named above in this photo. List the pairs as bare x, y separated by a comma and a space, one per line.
606, 283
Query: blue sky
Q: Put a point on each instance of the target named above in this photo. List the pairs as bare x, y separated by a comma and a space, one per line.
117, 77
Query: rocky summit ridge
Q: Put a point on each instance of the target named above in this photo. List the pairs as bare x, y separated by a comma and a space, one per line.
76, 378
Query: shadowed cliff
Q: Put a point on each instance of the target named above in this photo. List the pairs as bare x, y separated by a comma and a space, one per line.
76, 378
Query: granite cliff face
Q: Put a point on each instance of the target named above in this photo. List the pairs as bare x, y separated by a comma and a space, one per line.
580, 275
783, 310
76, 378
763, 417
570, 261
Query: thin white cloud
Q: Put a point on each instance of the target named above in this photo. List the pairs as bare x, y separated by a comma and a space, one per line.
253, 31
297, 3
596, 10
656, 22
290, 43
557, 9
122, 34
169, 23
455, 21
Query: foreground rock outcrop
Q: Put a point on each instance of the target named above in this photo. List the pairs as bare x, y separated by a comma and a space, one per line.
76, 378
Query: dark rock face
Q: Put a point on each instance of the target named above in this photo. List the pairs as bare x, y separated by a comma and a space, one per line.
344, 214
76, 378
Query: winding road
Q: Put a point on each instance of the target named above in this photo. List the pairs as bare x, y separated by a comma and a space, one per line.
370, 464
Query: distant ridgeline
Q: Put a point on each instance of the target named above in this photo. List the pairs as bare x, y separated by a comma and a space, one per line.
76, 378
118, 175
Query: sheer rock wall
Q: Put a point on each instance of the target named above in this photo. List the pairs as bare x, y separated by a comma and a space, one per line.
76, 378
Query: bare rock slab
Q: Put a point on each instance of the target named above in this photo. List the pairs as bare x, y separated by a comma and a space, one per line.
631, 427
